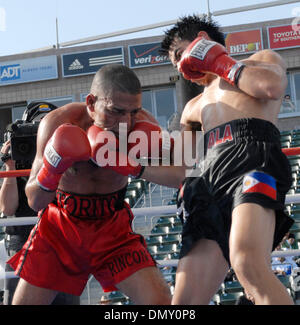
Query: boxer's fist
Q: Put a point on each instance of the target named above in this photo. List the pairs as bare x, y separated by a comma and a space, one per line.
68, 144
206, 56
105, 152
147, 139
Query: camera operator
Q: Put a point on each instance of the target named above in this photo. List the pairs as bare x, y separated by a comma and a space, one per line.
13, 203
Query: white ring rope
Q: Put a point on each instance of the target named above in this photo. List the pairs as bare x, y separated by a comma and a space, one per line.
137, 212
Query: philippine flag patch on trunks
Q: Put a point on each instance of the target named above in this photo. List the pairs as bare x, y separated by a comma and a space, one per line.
259, 182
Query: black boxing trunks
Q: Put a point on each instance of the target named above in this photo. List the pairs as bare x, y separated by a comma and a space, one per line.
79, 235
243, 163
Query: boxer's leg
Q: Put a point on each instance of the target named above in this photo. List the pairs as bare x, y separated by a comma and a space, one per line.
200, 274
146, 287
28, 294
251, 241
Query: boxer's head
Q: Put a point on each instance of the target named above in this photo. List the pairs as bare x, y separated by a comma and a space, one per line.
185, 31
115, 97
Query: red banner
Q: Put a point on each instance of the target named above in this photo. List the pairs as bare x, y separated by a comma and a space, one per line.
244, 42
282, 37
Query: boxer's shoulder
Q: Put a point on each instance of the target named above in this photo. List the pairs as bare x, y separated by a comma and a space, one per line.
73, 113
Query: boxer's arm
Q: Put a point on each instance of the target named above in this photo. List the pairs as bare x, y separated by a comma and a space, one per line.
38, 198
56, 152
174, 174
264, 76
171, 176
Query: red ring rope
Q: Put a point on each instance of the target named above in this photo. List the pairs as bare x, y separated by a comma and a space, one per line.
15, 173
291, 151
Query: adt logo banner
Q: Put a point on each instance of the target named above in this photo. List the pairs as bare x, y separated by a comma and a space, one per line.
28, 70
146, 55
10, 72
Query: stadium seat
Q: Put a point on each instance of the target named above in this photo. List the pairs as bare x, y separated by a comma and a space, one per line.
167, 248
165, 221
285, 137
285, 280
131, 197
230, 298
175, 229
232, 286
160, 230
284, 133
152, 249
285, 144
116, 297
295, 227
171, 238
295, 215
154, 240
295, 142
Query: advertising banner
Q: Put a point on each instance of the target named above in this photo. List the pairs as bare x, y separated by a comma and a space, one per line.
283, 37
244, 42
28, 70
82, 63
146, 55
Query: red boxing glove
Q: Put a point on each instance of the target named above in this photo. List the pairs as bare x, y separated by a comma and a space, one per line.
106, 153
203, 56
68, 144
152, 140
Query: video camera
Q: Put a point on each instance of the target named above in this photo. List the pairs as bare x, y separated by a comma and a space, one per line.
22, 133
22, 136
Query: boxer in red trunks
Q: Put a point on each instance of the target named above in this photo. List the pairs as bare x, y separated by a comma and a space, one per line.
84, 225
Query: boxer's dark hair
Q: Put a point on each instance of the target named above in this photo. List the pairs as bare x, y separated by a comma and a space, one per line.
188, 27
116, 77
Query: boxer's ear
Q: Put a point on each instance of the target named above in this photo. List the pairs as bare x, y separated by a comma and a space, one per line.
90, 102
203, 35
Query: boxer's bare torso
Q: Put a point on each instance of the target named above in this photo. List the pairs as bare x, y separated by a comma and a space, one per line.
83, 177
255, 97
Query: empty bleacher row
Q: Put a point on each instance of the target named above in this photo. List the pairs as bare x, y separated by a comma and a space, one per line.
290, 139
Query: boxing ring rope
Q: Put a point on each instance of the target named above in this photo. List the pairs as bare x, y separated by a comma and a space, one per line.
140, 212
291, 151
26, 172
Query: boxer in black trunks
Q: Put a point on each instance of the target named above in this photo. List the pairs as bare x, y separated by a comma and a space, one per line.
233, 212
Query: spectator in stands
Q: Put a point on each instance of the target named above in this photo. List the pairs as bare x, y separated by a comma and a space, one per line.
280, 267
283, 265
13, 203
289, 242
287, 106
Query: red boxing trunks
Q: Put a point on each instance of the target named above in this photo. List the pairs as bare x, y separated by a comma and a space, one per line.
79, 235
243, 163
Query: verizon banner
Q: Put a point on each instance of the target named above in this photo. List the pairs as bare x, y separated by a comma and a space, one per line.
146, 55
282, 37
243, 42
